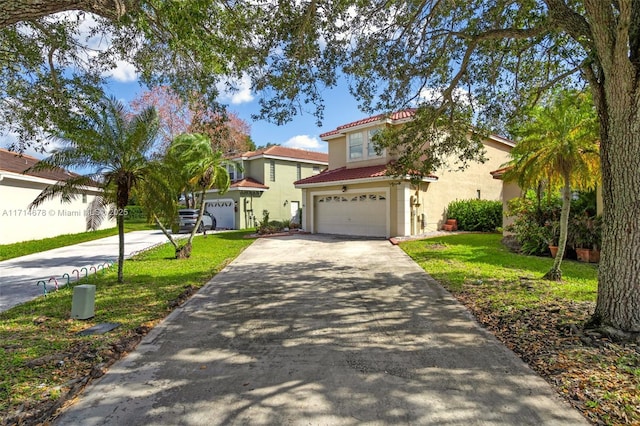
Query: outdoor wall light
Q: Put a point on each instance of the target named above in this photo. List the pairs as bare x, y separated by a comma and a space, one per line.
344, 188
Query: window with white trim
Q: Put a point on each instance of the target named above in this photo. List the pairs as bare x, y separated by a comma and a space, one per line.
356, 145
371, 146
272, 170
298, 171
361, 145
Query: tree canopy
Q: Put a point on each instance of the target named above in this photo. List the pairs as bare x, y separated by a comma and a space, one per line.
477, 61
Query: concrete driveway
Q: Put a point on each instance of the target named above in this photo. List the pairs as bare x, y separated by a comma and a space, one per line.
320, 331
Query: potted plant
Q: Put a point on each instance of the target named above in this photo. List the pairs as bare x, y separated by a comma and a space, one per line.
586, 237
551, 235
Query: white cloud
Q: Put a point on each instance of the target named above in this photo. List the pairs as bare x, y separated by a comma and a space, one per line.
236, 91
305, 142
124, 72
434, 96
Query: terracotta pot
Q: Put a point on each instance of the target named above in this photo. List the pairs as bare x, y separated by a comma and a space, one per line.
553, 250
594, 256
582, 254
453, 223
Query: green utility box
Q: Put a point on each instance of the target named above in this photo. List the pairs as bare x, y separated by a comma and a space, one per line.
84, 301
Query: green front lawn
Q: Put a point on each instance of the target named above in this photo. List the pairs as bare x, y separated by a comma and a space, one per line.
42, 360
10, 251
539, 320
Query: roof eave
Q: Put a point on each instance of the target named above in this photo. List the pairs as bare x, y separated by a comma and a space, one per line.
361, 180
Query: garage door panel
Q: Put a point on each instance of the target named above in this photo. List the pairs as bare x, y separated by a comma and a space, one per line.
224, 212
353, 214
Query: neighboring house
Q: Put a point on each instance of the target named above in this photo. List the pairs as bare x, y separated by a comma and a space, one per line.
263, 180
355, 196
53, 217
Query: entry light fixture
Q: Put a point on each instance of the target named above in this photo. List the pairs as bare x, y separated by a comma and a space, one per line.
344, 188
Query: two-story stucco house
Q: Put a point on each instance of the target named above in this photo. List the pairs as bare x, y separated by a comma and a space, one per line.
263, 180
355, 196
54, 217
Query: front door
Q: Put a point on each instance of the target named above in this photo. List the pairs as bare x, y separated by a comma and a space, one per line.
295, 207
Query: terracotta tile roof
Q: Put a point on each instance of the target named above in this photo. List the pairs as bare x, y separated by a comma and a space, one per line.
293, 153
399, 115
248, 183
497, 174
342, 174
16, 163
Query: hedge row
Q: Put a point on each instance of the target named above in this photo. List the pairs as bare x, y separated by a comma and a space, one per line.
476, 215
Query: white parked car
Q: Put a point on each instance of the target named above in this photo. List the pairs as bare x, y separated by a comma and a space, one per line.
188, 218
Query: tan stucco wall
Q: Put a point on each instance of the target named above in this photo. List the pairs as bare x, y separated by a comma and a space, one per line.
50, 219
510, 191
464, 185
337, 152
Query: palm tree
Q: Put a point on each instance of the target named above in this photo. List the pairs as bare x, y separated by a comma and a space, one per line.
112, 143
558, 146
204, 169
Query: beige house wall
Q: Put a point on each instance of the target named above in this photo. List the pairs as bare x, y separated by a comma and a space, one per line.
337, 152
50, 219
472, 183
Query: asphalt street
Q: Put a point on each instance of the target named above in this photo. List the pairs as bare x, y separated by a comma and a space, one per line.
19, 277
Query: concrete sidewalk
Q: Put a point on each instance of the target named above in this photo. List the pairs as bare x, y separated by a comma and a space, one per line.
18, 277
320, 331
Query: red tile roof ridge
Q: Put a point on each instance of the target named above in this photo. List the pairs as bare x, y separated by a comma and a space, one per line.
248, 182
394, 116
284, 151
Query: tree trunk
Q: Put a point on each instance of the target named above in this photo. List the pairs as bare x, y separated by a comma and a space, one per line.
184, 252
16, 11
120, 221
618, 302
555, 274
166, 232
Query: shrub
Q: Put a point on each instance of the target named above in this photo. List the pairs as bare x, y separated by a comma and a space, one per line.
535, 225
134, 213
476, 215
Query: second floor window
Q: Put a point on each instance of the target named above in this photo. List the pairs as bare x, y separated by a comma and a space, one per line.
298, 171
371, 146
361, 145
356, 145
272, 170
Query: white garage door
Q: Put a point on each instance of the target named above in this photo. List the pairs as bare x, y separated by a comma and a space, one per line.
352, 214
224, 212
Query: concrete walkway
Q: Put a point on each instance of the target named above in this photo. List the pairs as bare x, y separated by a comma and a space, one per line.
18, 277
320, 331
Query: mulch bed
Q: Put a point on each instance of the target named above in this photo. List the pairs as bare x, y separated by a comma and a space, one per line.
596, 375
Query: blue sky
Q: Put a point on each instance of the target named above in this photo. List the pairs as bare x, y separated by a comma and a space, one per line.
301, 132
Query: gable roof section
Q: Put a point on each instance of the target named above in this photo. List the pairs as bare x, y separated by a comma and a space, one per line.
15, 163
285, 153
248, 183
405, 114
394, 118
343, 174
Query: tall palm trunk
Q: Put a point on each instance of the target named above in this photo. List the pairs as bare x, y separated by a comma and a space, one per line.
120, 220
555, 274
184, 252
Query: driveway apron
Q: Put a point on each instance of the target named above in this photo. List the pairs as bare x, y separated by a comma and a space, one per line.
320, 330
